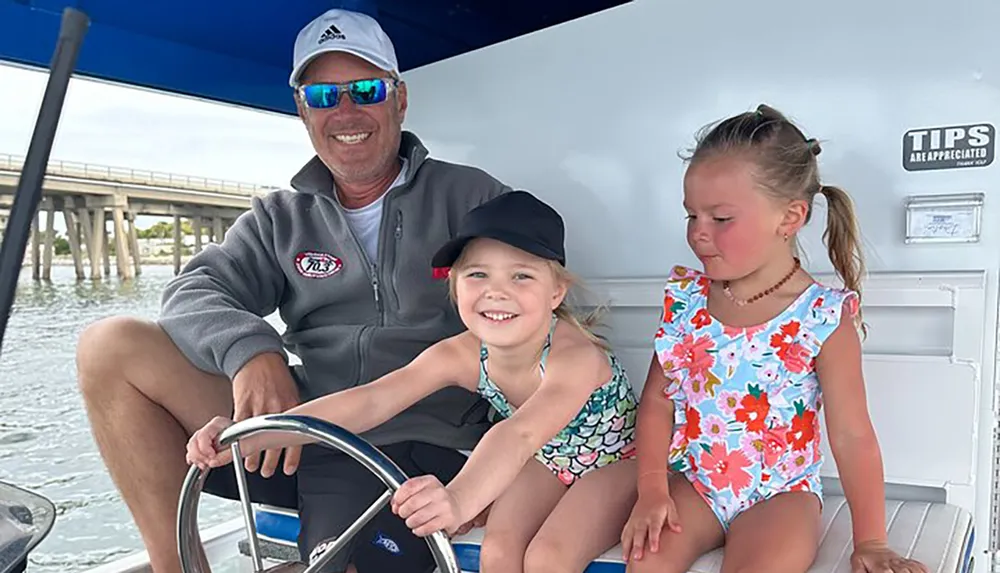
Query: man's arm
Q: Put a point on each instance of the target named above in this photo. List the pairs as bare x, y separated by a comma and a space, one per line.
213, 310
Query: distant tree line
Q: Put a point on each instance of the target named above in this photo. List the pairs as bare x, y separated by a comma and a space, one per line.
165, 230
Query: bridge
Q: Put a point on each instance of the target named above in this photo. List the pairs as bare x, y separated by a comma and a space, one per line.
93, 197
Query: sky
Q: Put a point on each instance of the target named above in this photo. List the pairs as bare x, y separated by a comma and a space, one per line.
136, 128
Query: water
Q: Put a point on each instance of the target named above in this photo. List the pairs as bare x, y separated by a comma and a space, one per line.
45, 440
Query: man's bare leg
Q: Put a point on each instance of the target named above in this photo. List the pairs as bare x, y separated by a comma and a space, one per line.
144, 399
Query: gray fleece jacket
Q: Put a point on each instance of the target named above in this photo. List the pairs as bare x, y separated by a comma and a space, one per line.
350, 320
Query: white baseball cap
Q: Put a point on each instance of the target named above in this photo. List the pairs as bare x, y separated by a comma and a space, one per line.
339, 30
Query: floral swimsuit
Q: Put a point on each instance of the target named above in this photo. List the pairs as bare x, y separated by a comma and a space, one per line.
747, 400
602, 433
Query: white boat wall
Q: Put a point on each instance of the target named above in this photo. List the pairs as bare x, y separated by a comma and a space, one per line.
591, 114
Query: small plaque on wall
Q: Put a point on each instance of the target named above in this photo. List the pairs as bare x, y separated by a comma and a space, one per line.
955, 218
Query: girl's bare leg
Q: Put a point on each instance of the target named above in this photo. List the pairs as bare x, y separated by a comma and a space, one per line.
700, 533
586, 522
516, 516
779, 535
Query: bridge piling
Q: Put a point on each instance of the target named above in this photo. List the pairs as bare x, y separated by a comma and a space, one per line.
177, 244
133, 239
217, 229
121, 243
98, 200
73, 236
50, 237
87, 229
106, 244
196, 226
36, 249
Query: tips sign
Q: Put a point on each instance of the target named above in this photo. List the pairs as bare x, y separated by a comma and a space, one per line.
952, 147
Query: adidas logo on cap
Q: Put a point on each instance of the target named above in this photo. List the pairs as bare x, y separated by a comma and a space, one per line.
331, 33
338, 30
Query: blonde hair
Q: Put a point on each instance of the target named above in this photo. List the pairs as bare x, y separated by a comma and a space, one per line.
786, 168
585, 323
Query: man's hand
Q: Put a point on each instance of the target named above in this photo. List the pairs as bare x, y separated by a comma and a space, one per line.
265, 386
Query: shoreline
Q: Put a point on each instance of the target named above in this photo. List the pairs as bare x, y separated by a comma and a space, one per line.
67, 261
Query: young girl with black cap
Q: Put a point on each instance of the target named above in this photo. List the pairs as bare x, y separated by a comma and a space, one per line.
558, 468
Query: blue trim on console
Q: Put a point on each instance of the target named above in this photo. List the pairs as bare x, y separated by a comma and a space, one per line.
277, 526
468, 560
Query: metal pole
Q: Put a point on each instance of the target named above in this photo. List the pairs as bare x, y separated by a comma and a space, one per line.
248, 518
29, 188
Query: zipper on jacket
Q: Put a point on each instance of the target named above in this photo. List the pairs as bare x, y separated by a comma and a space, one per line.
378, 300
364, 334
394, 271
373, 268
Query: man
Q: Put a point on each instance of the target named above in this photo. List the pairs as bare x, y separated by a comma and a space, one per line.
346, 260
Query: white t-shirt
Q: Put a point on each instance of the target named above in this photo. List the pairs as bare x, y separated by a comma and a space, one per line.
366, 221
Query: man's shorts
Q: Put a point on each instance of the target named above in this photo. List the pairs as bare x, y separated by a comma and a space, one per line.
331, 491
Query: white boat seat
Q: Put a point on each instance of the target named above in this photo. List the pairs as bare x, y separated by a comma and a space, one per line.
938, 534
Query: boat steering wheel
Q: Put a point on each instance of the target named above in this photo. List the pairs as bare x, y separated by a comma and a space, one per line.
327, 434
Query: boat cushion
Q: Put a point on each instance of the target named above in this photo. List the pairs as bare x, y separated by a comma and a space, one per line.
937, 534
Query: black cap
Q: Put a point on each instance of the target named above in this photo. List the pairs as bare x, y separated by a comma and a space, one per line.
516, 218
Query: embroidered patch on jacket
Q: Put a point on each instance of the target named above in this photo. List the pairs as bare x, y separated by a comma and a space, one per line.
317, 265
381, 540
320, 549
